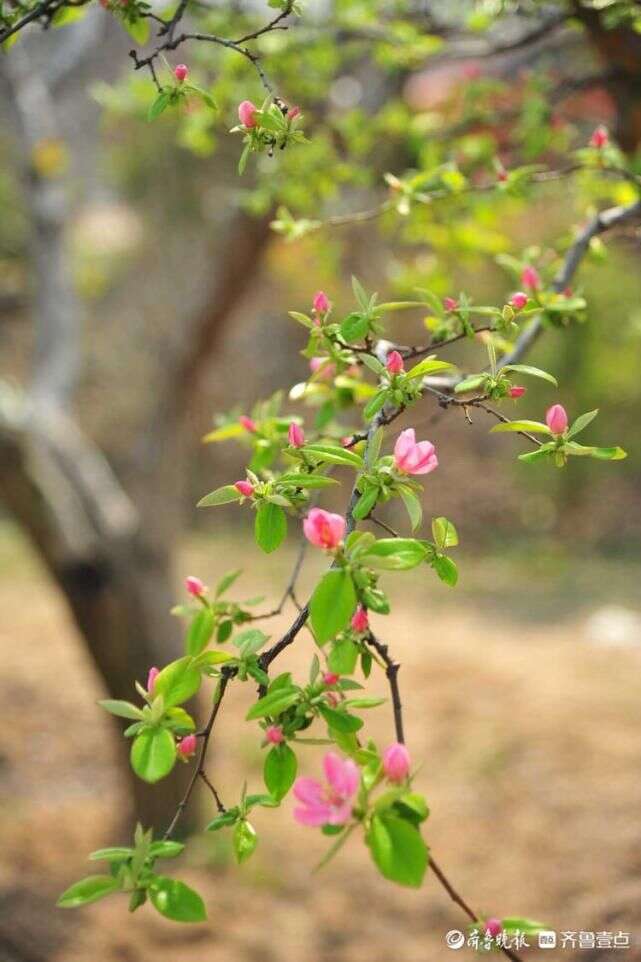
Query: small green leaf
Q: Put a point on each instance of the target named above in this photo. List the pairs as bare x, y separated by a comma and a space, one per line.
354, 327
444, 533
533, 427
245, 841
176, 901
280, 770
273, 703
158, 105
582, 422
224, 495
332, 604
138, 29
446, 570
429, 365
472, 383
123, 709
113, 854
88, 890
532, 371
226, 582
395, 554
397, 849
608, 454
153, 754
343, 656
413, 507
200, 631
340, 721
177, 682
366, 503
167, 849
334, 454
229, 817
270, 527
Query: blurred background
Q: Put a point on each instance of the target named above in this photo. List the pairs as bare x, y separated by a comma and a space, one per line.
143, 293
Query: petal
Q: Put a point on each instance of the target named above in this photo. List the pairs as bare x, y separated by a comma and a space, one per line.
405, 443
313, 815
333, 767
340, 814
352, 778
308, 790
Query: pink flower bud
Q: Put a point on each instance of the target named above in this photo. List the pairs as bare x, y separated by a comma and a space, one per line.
151, 679
556, 419
346, 442
493, 927
195, 586
517, 391
247, 113
323, 529
394, 363
450, 303
530, 278
332, 699
360, 621
248, 423
518, 300
396, 762
293, 113
321, 303
330, 678
245, 488
600, 137
187, 746
296, 435
323, 367
181, 72
274, 735
412, 456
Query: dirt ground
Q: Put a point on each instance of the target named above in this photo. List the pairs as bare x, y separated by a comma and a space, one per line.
526, 726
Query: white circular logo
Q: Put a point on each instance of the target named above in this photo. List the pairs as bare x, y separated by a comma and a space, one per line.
455, 939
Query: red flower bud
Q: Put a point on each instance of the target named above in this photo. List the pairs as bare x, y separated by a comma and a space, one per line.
187, 746
195, 586
248, 423
493, 927
518, 300
360, 621
321, 303
450, 303
394, 363
517, 391
530, 278
600, 137
151, 679
245, 488
274, 735
296, 435
181, 72
247, 114
330, 678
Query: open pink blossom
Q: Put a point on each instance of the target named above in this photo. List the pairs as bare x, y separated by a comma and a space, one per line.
325, 368
248, 423
530, 278
296, 435
321, 303
394, 363
181, 72
323, 529
396, 762
246, 488
187, 746
247, 113
195, 586
518, 300
412, 456
600, 137
360, 621
151, 679
274, 735
331, 803
556, 419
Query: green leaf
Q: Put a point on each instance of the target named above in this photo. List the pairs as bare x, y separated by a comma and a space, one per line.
343, 656
545, 451
608, 454
177, 682
582, 422
334, 454
413, 507
366, 503
250, 641
354, 327
332, 604
360, 293
533, 427
223, 820
395, 554
271, 526
245, 841
226, 582
88, 890
372, 363
532, 371
280, 770
273, 703
153, 754
374, 405
302, 480
176, 901
446, 570
123, 709
340, 721
224, 495
113, 854
138, 29
200, 631
158, 105
472, 383
167, 849
444, 533
429, 365
398, 849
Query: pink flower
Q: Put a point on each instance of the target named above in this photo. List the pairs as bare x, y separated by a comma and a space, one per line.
530, 278
321, 303
296, 435
187, 746
396, 762
450, 303
394, 363
151, 679
412, 457
195, 586
493, 927
329, 804
293, 113
248, 423
360, 621
600, 137
323, 367
518, 300
556, 419
323, 529
274, 735
330, 678
517, 391
247, 113
181, 72
246, 488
